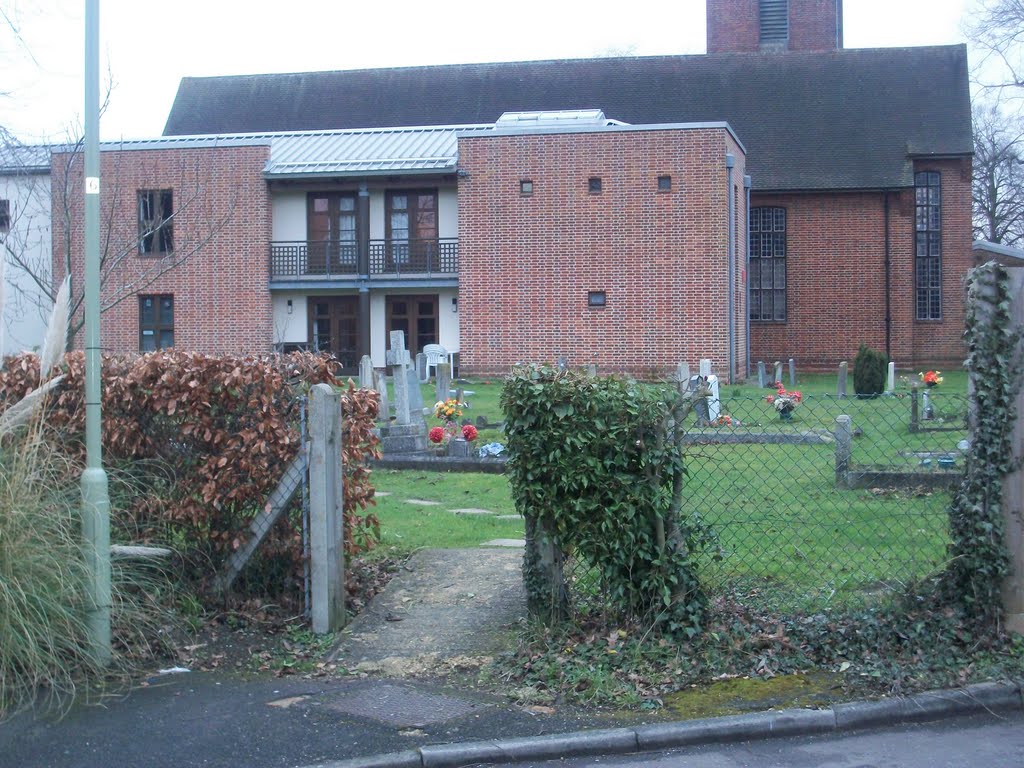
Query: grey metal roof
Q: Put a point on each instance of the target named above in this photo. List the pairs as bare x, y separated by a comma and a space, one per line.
367, 151
848, 119
984, 246
18, 159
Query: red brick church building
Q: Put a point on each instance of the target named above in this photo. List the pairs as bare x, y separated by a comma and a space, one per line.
779, 196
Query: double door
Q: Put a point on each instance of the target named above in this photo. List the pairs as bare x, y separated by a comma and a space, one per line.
334, 328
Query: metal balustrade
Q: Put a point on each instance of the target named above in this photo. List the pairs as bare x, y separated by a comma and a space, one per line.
393, 258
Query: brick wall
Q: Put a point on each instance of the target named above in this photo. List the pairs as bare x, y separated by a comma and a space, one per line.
733, 26
221, 230
527, 262
836, 277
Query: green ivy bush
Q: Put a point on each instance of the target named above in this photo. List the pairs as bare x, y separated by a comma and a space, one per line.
596, 467
870, 368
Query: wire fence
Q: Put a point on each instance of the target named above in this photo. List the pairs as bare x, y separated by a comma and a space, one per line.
810, 511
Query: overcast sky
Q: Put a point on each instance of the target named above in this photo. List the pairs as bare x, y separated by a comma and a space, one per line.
148, 47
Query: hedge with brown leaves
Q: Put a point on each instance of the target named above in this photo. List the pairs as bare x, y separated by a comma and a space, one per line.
207, 439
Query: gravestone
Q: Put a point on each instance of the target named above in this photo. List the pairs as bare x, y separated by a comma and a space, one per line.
365, 372
841, 383
591, 370
443, 382
421, 367
890, 380
710, 408
683, 372
562, 363
381, 385
762, 374
792, 373
778, 372
705, 367
407, 434
458, 448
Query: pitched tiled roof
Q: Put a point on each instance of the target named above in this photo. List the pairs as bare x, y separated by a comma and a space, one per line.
844, 119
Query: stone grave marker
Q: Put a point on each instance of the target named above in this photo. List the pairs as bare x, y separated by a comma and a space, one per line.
683, 372
398, 362
591, 370
762, 374
381, 382
792, 373
365, 372
407, 434
443, 382
778, 372
841, 384
421, 367
890, 379
415, 397
705, 367
563, 363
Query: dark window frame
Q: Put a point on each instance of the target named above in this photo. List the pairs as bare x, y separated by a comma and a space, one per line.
664, 183
928, 246
594, 185
155, 208
597, 299
526, 187
767, 241
159, 324
5, 215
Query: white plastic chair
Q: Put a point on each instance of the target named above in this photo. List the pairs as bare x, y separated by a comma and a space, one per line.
436, 354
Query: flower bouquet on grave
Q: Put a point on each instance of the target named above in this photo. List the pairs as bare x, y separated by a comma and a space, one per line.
448, 410
442, 436
931, 378
784, 402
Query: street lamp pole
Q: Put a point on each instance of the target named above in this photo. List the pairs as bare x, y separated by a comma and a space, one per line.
95, 497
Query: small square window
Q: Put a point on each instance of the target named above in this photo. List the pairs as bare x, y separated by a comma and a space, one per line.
664, 183
594, 184
5, 215
525, 187
596, 299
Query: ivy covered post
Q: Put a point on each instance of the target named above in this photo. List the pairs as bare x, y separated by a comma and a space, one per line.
985, 575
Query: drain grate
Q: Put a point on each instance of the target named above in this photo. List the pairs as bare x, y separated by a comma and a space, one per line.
402, 706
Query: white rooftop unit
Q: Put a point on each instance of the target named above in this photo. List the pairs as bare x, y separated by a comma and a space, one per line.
560, 118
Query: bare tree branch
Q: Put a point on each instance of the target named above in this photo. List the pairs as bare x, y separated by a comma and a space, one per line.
997, 190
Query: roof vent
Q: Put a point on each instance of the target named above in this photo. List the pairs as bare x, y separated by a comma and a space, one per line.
560, 118
774, 21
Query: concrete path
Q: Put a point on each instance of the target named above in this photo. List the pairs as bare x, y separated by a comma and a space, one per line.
448, 608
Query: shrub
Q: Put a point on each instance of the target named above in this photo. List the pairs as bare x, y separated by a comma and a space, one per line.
870, 368
596, 466
207, 438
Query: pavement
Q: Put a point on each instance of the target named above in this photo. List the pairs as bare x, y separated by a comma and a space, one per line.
446, 612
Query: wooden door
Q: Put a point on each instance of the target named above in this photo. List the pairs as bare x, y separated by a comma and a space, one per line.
417, 317
331, 232
412, 229
334, 328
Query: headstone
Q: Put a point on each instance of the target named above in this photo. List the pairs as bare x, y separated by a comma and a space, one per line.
458, 448
365, 372
460, 394
381, 382
762, 374
709, 408
778, 372
400, 371
792, 374
683, 372
890, 381
591, 370
481, 422
415, 397
705, 367
844, 446
562, 363
421, 367
841, 384
443, 382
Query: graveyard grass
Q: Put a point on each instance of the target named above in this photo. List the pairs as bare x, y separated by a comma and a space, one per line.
784, 530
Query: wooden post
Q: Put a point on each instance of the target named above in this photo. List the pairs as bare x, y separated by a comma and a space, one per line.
1013, 486
326, 512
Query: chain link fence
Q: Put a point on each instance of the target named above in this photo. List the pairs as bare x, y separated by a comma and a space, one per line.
810, 511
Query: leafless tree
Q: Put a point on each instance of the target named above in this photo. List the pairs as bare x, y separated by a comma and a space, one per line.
997, 32
998, 187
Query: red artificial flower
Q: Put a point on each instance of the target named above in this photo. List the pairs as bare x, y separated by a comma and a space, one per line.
469, 432
436, 434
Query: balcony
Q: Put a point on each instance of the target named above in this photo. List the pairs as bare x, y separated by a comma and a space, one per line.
304, 260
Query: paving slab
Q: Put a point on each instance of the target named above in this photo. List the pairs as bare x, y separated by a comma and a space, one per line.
423, 502
510, 543
473, 511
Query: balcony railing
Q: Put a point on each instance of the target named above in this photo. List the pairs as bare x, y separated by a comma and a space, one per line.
401, 258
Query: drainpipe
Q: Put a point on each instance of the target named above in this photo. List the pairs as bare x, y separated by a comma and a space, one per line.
747, 184
363, 266
730, 163
888, 280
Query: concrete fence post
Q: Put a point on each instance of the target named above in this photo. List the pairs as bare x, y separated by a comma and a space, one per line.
841, 382
844, 447
1013, 485
326, 511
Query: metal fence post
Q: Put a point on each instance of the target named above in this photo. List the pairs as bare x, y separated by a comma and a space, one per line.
326, 514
